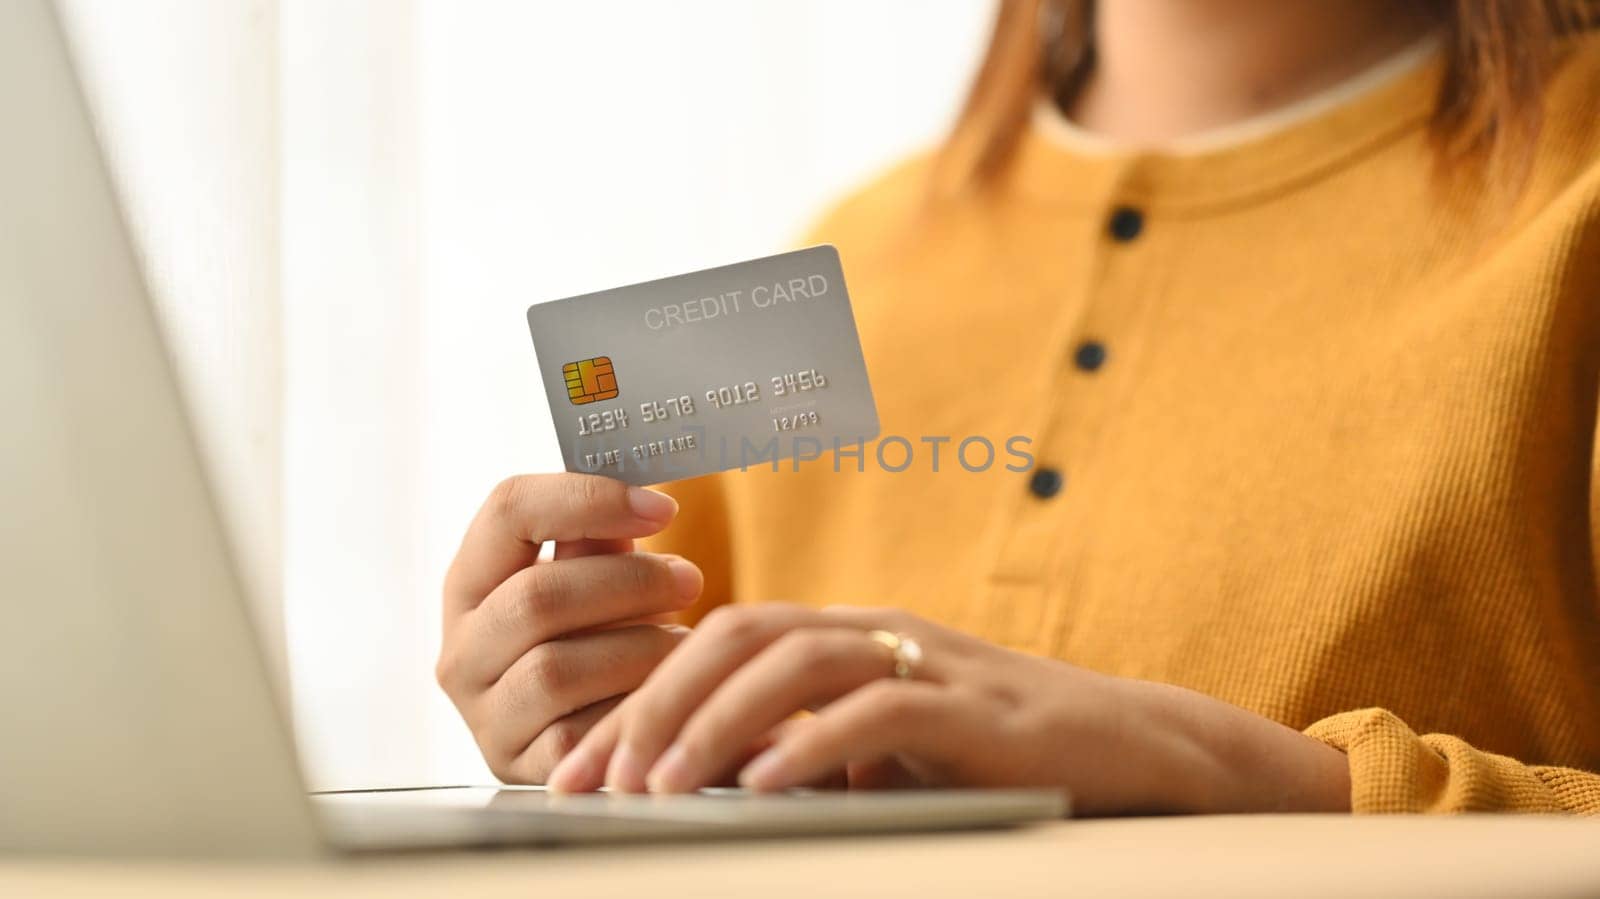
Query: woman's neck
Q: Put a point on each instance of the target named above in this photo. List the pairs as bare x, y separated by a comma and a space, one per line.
1164, 69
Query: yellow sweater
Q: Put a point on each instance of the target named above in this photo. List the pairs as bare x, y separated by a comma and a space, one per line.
1336, 464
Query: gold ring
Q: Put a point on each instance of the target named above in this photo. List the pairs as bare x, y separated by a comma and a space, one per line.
907, 652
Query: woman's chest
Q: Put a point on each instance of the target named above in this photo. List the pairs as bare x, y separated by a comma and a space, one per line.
1221, 439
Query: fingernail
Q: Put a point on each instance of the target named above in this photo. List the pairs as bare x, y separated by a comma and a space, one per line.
765, 771
652, 506
685, 576
671, 772
625, 774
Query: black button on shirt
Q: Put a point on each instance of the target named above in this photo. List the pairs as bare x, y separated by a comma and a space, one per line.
1126, 223
1045, 483
1090, 355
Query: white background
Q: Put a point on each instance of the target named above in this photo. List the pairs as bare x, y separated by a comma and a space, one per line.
346, 207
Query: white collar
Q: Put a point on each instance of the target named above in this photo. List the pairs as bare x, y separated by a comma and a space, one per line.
1054, 124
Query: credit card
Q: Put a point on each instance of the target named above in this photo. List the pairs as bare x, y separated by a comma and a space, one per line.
749, 365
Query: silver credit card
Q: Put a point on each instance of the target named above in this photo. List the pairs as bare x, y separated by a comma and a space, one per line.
741, 366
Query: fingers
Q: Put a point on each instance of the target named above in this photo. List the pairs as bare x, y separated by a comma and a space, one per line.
622, 749
724, 641
533, 765
744, 671
557, 678
543, 602
583, 770
524, 511
802, 669
882, 719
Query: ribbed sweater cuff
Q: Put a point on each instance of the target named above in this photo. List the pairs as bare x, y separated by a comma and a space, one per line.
1392, 769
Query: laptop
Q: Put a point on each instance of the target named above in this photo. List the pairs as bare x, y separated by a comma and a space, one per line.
138, 714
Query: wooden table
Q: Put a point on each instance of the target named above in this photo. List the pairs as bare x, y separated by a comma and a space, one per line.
1304, 855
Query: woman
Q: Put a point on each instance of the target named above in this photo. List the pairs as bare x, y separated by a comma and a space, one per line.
1299, 303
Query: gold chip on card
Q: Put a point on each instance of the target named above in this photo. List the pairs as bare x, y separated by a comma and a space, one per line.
590, 380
